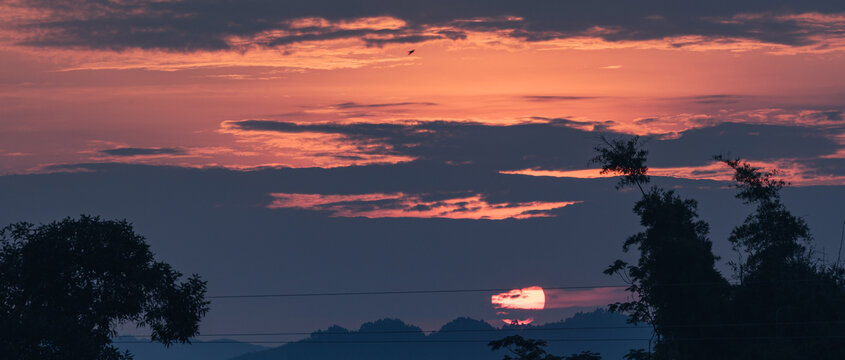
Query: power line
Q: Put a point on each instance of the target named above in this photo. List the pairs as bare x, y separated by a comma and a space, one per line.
403, 292
410, 331
740, 338
748, 324
380, 341
452, 291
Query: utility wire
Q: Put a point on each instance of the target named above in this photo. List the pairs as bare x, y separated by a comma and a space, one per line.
409, 331
403, 292
748, 324
379, 341
740, 338
452, 291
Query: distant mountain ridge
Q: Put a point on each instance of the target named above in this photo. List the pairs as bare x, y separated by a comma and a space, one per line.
220, 349
462, 338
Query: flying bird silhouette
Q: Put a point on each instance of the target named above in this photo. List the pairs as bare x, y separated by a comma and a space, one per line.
412, 51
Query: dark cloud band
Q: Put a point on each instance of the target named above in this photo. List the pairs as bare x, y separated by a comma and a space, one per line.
560, 143
136, 151
208, 24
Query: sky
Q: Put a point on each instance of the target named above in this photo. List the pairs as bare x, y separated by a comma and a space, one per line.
296, 146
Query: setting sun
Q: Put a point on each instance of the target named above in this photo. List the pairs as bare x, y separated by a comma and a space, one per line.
530, 298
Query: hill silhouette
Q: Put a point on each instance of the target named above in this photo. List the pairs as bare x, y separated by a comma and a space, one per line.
220, 349
462, 338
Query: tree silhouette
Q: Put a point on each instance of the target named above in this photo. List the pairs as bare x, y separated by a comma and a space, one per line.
771, 235
65, 286
625, 157
780, 283
523, 349
531, 349
675, 277
786, 306
638, 354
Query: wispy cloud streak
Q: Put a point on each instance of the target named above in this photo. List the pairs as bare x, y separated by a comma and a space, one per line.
401, 205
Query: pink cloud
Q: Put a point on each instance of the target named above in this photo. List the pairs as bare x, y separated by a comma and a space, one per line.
398, 205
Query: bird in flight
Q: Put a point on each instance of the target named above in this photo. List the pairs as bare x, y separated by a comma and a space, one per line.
412, 51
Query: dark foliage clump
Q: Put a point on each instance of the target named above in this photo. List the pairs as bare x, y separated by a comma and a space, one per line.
65, 286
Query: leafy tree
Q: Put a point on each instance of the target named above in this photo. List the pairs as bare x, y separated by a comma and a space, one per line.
797, 299
531, 349
770, 236
65, 286
624, 157
638, 354
786, 306
675, 279
523, 349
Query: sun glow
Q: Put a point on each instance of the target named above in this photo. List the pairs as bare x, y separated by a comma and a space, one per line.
530, 298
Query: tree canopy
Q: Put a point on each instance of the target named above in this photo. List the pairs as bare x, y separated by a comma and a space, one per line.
520, 348
786, 305
65, 286
797, 297
675, 275
523, 349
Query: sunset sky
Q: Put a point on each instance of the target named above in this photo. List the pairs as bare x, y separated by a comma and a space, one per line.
295, 146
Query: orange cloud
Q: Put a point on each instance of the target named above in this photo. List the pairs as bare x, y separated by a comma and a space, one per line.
314, 52
481, 78
309, 149
322, 55
371, 23
399, 205
790, 170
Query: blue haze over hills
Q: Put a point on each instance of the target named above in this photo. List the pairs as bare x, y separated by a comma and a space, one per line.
462, 338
